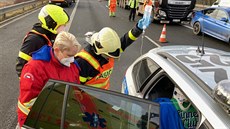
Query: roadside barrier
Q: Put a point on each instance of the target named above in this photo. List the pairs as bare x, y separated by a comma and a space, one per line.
20, 8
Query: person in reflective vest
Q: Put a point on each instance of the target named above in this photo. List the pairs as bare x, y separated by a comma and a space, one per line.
52, 21
96, 60
47, 63
133, 4
112, 7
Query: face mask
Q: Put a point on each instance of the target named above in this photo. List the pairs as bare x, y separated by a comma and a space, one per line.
67, 61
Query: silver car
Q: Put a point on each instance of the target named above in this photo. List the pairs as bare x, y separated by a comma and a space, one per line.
201, 74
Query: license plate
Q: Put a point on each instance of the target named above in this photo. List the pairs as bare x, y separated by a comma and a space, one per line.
176, 20
164, 21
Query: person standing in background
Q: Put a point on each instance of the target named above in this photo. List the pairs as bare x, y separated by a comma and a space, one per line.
112, 7
148, 2
133, 4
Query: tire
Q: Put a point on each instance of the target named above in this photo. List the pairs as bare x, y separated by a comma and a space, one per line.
197, 28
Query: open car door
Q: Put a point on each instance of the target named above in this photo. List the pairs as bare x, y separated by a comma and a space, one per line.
63, 105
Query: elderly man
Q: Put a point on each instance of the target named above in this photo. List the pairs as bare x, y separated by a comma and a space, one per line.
47, 63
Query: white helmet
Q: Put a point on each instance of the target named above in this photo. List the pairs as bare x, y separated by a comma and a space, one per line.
107, 42
181, 99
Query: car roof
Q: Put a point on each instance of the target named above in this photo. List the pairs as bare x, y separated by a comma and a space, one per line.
208, 69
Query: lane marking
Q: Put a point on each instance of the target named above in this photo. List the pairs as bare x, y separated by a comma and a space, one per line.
187, 26
71, 17
152, 41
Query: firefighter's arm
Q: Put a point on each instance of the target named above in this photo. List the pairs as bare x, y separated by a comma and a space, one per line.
87, 71
132, 35
30, 44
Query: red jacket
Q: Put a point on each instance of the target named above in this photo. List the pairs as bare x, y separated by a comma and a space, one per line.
36, 73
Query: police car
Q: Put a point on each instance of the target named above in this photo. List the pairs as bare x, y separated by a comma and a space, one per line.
202, 75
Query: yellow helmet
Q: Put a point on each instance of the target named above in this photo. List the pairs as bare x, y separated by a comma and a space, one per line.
52, 16
107, 42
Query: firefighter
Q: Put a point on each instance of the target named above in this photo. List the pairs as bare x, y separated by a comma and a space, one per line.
47, 63
52, 20
112, 7
148, 2
96, 60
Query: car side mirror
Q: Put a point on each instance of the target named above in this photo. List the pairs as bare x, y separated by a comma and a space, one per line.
221, 94
224, 19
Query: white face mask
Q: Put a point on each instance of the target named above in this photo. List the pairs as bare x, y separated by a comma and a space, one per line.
67, 61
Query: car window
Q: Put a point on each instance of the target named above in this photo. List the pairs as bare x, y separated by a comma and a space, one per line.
143, 70
81, 107
221, 14
162, 87
211, 12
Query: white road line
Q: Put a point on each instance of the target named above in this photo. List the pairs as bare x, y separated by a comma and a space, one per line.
187, 26
11, 20
72, 16
152, 41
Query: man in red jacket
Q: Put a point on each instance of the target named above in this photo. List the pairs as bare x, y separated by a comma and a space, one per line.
47, 63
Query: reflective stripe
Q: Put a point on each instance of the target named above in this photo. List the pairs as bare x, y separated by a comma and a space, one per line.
85, 55
30, 103
100, 85
23, 108
84, 79
121, 51
24, 56
131, 36
43, 35
26, 107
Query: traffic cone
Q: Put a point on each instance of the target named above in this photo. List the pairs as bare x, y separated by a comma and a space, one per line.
163, 35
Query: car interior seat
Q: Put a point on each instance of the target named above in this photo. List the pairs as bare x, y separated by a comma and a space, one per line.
163, 88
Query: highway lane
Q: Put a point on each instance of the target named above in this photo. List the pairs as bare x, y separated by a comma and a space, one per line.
90, 15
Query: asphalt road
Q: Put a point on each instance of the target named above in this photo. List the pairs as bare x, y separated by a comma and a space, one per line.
90, 15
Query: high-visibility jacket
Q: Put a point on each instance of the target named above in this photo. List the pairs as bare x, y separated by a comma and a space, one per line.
33, 41
148, 2
103, 76
89, 69
133, 4
42, 67
112, 5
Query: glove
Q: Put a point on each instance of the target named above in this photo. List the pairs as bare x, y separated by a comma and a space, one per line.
142, 23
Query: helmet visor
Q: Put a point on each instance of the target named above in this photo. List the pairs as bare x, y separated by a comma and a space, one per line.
115, 54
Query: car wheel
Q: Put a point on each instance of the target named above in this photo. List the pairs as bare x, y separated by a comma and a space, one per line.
197, 28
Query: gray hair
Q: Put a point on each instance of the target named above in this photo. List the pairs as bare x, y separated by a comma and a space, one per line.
66, 40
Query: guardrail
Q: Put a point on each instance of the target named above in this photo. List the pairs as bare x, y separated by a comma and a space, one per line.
20, 8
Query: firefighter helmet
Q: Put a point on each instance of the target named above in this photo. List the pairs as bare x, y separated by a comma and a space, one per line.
52, 16
107, 42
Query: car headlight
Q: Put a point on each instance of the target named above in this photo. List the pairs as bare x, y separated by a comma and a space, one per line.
162, 13
190, 15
